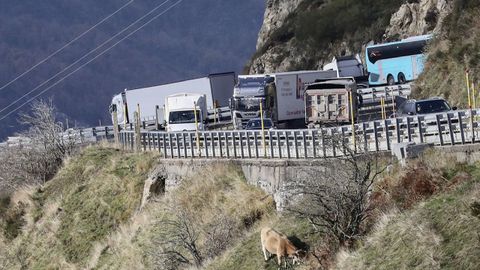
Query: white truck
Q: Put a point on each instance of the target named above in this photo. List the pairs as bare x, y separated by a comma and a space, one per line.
349, 66
185, 112
281, 96
216, 88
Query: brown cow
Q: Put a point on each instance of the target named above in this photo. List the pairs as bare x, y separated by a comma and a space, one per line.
277, 243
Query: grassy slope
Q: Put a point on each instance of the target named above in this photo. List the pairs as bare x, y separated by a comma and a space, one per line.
88, 199
221, 195
247, 253
87, 217
456, 49
439, 233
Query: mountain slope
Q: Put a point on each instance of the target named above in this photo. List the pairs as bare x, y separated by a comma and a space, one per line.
307, 34
193, 39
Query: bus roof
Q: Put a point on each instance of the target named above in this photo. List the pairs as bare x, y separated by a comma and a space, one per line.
409, 39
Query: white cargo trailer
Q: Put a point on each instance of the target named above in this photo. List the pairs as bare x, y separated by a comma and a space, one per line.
217, 89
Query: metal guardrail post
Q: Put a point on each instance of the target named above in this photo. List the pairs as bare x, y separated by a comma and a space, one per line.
234, 145
248, 144
450, 129
240, 138
409, 130
287, 140
420, 128
270, 139
219, 135
305, 150
313, 142
212, 143
439, 126
192, 147
387, 132
472, 126
460, 122
177, 144
227, 144
279, 145
295, 142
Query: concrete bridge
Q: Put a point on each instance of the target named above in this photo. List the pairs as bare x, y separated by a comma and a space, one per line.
271, 175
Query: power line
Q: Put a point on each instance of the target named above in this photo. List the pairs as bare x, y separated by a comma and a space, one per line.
66, 45
103, 52
83, 57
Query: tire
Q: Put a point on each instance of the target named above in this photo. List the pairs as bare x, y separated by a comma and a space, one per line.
390, 80
401, 78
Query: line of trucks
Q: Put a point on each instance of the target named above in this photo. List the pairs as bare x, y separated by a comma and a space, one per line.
290, 99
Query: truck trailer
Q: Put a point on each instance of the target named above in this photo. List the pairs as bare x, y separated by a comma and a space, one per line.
331, 102
151, 100
279, 95
336, 101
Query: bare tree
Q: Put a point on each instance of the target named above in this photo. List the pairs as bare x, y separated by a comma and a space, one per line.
176, 243
335, 196
43, 148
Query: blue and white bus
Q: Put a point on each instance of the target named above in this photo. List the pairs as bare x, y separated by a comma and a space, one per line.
396, 62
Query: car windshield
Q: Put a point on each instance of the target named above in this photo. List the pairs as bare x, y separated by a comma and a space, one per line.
257, 124
183, 117
432, 106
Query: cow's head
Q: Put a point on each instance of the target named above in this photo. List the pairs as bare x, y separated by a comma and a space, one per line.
298, 256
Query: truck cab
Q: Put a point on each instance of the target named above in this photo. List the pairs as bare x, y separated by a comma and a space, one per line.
248, 94
185, 112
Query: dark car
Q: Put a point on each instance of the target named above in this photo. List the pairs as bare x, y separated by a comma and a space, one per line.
424, 106
256, 123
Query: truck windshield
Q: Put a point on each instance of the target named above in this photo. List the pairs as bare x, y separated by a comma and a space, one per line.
248, 104
253, 82
183, 117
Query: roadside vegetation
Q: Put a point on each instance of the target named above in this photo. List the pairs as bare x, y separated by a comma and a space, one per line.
427, 218
455, 50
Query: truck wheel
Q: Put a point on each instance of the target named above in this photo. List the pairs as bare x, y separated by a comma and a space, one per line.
401, 78
390, 79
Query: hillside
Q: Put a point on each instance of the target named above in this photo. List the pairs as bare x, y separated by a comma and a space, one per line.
426, 216
193, 39
439, 233
456, 49
89, 216
307, 34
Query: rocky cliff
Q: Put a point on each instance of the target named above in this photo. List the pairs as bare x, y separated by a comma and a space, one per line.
303, 34
418, 18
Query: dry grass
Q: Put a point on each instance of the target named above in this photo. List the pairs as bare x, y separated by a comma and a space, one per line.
90, 198
433, 227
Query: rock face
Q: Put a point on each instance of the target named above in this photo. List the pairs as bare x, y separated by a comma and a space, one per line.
275, 14
418, 18
276, 58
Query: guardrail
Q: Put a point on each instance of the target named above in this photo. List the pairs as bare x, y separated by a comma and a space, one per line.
456, 127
